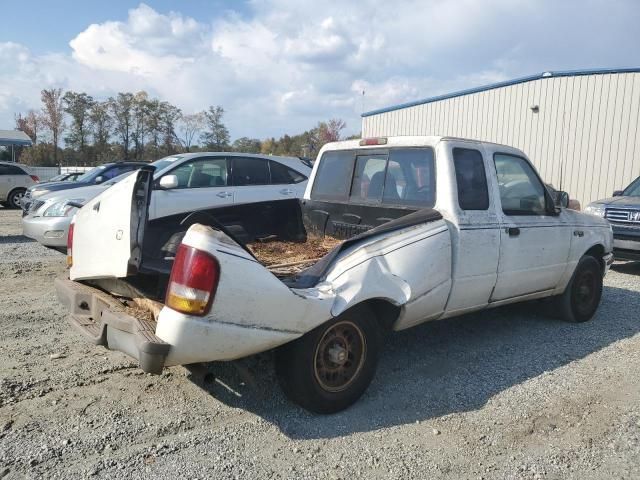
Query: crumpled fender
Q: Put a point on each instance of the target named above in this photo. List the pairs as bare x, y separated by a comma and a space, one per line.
370, 279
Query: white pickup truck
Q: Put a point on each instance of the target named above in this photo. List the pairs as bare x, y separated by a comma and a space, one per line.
432, 227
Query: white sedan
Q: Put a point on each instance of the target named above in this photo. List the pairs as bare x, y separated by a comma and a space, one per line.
182, 183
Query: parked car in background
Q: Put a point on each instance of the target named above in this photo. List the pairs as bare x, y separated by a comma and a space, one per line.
66, 177
433, 227
15, 179
183, 183
622, 210
94, 176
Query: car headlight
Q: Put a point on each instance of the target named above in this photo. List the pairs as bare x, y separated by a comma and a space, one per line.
595, 209
61, 209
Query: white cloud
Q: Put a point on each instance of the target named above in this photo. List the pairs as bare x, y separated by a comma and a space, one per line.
289, 63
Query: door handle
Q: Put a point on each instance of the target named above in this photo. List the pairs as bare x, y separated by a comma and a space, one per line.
224, 194
286, 191
513, 231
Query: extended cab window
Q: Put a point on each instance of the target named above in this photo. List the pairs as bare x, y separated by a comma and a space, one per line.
521, 191
471, 179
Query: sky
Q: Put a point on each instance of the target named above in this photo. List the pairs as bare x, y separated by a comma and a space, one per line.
280, 66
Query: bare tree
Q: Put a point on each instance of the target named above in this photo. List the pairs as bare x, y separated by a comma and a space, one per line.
330, 131
141, 111
53, 116
189, 126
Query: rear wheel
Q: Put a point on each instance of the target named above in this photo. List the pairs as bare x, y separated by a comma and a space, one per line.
15, 197
330, 367
581, 299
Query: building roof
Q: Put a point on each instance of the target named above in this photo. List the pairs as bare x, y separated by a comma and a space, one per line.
14, 137
507, 83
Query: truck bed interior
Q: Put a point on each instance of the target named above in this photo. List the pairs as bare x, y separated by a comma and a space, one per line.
295, 240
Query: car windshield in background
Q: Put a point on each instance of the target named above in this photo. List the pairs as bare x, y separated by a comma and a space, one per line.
165, 162
399, 176
91, 174
633, 190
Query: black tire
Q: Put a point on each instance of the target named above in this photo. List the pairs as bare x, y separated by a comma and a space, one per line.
14, 198
318, 373
581, 298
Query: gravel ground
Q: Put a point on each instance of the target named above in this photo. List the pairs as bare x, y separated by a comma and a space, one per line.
506, 394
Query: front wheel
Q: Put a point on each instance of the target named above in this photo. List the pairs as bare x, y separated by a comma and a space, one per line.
15, 197
329, 368
581, 299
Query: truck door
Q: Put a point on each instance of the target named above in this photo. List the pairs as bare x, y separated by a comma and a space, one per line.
534, 243
476, 233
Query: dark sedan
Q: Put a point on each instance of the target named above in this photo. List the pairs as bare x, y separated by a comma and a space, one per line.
94, 176
623, 212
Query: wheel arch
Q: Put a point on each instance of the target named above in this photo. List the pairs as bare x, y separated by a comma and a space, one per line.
597, 251
386, 312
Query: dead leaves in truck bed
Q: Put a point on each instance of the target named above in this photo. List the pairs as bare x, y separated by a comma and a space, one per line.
289, 257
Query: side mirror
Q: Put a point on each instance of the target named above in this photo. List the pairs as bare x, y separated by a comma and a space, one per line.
617, 193
168, 182
562, 199
99, 179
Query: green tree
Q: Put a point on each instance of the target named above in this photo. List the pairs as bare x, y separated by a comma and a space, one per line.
101, 125
216, 134
121, 108
78, 106
246, 145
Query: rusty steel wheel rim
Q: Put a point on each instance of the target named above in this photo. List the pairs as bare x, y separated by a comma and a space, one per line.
339, 356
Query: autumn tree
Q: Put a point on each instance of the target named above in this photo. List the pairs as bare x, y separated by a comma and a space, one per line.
189, 127
53, 116
101, 125
216, 134
29, 124
78, 106
141, 113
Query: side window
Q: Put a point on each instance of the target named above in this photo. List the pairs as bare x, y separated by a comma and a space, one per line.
11, 170
283, 175
249, 171
368, 178
471, 179
199, 173
410, 178
521, 191
333, 177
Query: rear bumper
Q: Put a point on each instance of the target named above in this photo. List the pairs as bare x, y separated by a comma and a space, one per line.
49, 231
103, 320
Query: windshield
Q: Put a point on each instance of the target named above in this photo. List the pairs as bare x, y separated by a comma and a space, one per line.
91, 174
115, 180
165, 162
60, 177
633, 190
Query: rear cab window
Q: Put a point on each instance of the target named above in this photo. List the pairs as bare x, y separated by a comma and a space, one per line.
402, 177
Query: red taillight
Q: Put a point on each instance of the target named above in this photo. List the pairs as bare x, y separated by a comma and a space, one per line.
35, 178
70, 245
373, 141
193, 282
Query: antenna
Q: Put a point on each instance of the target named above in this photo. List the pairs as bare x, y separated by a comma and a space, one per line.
363, 92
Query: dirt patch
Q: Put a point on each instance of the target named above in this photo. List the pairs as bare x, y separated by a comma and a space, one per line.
277, 252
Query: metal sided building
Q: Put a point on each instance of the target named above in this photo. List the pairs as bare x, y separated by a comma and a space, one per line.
579, 128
